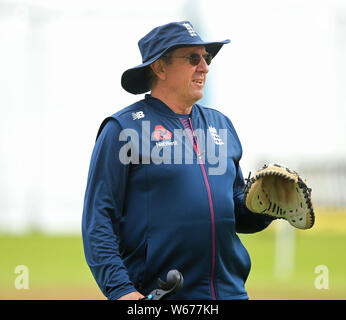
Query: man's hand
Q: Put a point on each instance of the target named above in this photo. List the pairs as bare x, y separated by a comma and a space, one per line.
132, 296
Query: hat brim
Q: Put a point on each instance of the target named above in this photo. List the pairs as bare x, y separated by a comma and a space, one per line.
136, 80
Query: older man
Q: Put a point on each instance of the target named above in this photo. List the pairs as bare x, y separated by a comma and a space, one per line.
165, 189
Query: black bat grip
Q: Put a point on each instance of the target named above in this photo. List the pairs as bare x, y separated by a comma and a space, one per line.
173, 283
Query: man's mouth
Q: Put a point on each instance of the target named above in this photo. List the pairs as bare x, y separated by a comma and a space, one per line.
198, 81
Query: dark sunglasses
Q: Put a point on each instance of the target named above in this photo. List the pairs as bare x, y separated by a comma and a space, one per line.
195, 58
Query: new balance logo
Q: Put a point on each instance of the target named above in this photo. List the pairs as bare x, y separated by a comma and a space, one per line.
190, 29
137, 115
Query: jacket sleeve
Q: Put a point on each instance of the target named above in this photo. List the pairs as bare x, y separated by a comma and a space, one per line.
246, 221
103, 204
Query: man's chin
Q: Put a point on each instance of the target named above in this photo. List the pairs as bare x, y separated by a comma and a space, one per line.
198, 95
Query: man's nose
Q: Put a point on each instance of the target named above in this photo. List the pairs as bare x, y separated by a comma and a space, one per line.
203, 66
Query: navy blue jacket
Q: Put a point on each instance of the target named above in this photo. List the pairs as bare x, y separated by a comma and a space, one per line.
153, 203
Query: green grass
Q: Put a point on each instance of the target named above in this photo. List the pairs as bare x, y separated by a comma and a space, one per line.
51, 260
311, 250
57, 267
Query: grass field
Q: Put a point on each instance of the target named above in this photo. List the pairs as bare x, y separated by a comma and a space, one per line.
57, 268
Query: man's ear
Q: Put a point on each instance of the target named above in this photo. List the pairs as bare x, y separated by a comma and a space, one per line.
159, 69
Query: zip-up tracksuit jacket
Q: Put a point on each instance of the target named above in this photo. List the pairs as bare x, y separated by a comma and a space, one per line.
153, 203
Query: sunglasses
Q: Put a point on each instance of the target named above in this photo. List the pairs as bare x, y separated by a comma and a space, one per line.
195, 58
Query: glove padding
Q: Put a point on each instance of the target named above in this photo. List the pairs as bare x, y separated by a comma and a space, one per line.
280, 192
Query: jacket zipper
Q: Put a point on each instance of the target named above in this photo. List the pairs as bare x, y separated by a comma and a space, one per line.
211, 206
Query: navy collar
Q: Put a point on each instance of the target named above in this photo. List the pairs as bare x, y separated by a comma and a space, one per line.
162, 108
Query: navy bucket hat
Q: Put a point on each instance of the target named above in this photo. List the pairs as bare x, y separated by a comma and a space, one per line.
156, 43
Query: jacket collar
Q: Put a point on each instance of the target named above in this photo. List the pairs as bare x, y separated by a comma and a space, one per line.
161, 107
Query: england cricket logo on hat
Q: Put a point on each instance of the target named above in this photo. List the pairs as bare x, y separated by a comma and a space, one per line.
190, 29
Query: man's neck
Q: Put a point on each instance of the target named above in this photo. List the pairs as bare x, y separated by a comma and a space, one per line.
173, 104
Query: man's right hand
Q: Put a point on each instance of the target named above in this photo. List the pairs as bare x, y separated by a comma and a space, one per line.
135, 295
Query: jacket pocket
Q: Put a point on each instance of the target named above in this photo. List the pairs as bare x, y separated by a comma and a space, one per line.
142, 269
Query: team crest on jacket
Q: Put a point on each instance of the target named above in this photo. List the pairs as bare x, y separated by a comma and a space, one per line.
217, 139
161, 133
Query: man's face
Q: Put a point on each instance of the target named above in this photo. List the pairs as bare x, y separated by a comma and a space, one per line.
184, 80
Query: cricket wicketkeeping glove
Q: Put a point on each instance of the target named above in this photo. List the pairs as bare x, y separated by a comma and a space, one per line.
280, 192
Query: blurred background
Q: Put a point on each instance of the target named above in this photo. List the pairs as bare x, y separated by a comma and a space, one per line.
281, 80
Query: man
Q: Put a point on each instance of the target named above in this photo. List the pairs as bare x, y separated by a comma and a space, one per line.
165, 189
